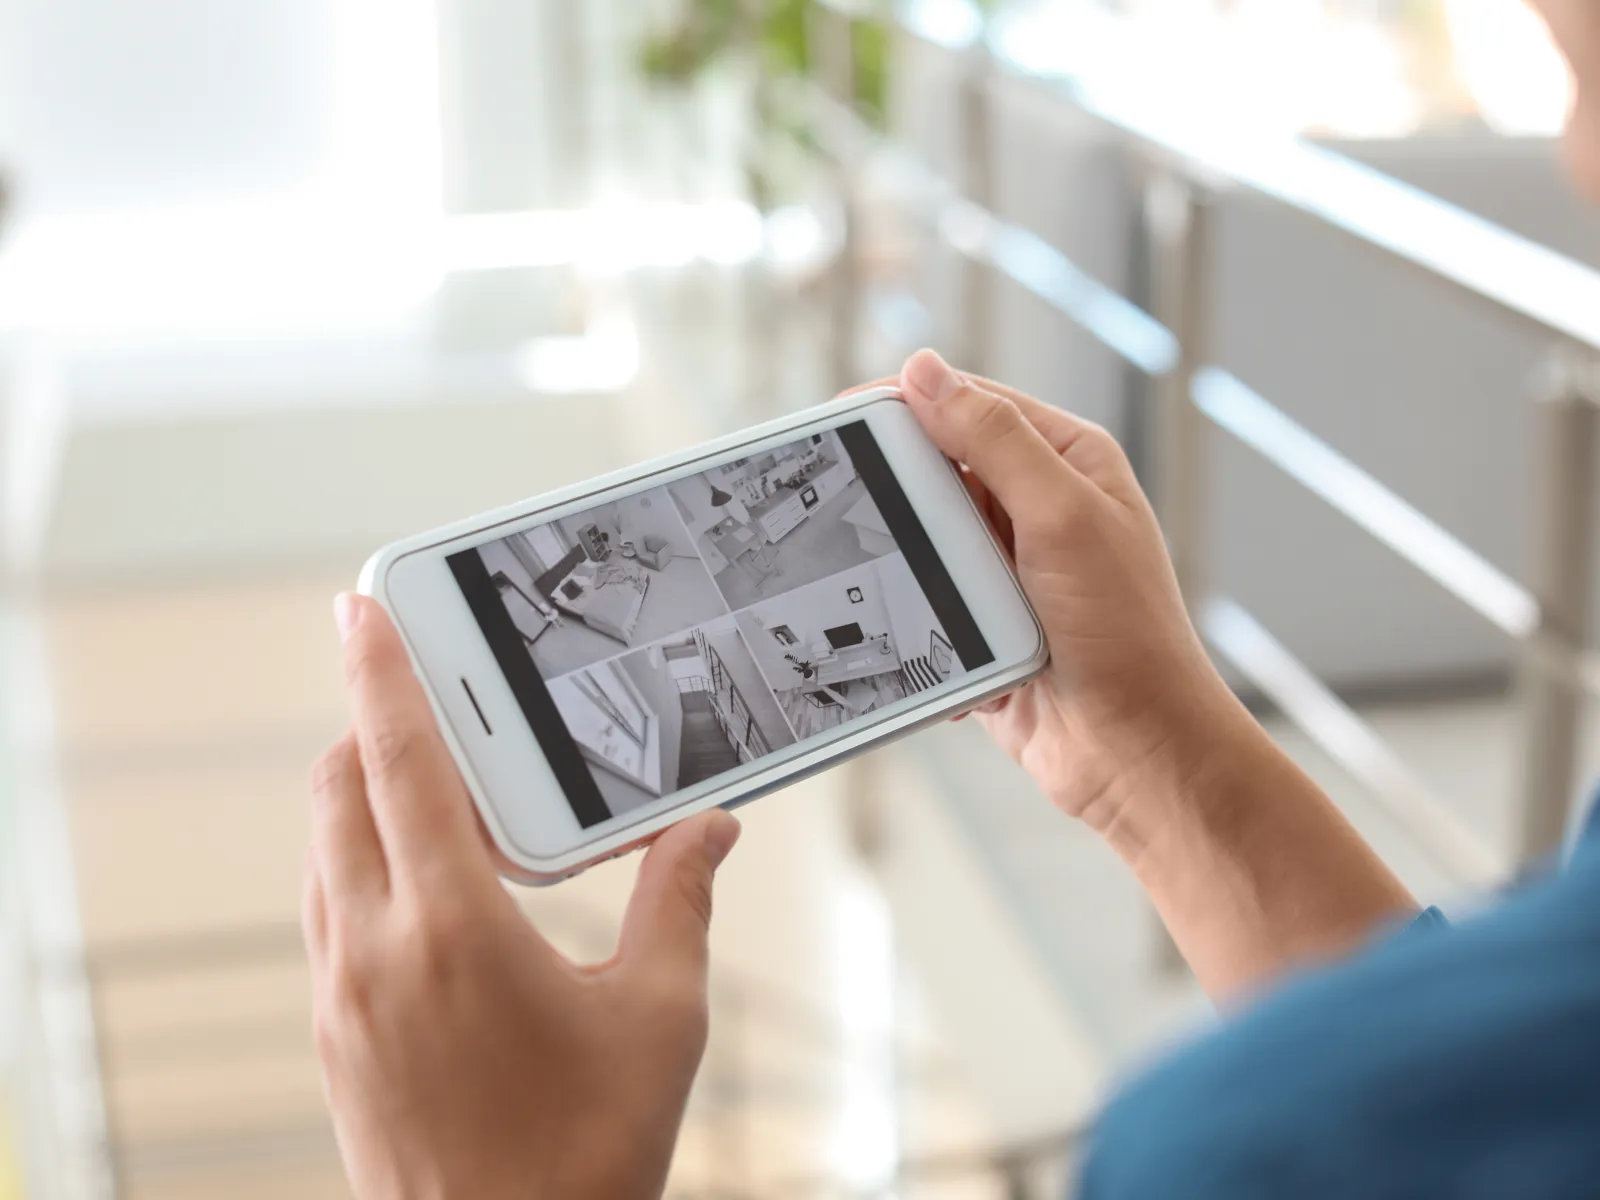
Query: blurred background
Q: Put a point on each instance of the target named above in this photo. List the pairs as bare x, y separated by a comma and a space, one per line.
282, 280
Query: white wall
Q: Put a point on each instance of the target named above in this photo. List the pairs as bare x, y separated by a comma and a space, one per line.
824, 605
757, 692
810, 610
604, 516
911, 617
659, 692
768, 654
120, 105
693, 498
653, 514
498, 557
694, 494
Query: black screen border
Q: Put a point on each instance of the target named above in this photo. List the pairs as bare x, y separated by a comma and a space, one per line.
905, 527
527, 685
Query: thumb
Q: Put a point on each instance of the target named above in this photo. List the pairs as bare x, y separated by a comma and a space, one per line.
987, 431
670, 912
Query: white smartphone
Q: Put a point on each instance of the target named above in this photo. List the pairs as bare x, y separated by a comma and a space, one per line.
700, 630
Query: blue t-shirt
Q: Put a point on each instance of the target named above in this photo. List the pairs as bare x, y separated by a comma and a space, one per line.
1449, 1061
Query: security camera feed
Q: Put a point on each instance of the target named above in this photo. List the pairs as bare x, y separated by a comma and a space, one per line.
668, 639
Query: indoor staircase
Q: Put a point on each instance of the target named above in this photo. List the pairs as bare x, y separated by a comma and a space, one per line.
706, 750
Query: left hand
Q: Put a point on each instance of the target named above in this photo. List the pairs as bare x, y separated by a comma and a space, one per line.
462, 1055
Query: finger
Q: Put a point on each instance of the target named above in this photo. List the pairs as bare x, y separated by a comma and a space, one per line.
886, 381
344, 839
669, 915
989, 508
313, 910
419, 804
1082, 444
989, 433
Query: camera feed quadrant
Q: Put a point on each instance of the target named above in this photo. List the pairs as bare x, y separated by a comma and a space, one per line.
849, 645
671, 715
773, 522
591, 586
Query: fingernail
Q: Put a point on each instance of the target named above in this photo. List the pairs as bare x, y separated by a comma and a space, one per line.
930, 377
721, 834
345, 614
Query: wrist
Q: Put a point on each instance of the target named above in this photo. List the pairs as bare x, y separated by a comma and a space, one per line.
1178, 772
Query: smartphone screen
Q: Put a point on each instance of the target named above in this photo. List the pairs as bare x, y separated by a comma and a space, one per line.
659, 642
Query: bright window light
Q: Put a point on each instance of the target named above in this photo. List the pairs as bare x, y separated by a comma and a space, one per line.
1507, 61
385, 143
1287, 67
952, 23
603, 360
244, 271
272, 270
350, 245
866, 1136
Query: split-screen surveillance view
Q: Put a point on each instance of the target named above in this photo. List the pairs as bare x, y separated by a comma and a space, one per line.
693, 628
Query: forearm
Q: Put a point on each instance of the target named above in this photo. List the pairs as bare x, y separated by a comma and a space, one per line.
1251, 866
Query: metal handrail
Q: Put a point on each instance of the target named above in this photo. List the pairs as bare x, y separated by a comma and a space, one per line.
753, 743
1190, 163
1518, 275
1345, 487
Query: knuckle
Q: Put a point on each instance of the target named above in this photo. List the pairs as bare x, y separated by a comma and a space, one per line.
352, 988
313, 915
695, 889
325, 1035
438, 940
1104, 450
333, 767
391, 748
365, 657
1071, 520
990, 417
1099, 438
690, 1012
676, 999
689, 1009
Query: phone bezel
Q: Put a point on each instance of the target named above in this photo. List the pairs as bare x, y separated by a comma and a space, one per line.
523, 808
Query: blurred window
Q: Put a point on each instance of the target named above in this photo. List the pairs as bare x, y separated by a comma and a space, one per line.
1353, 68
106, 105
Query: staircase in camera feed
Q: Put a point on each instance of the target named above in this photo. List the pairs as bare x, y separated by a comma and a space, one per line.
719, 730
930, 669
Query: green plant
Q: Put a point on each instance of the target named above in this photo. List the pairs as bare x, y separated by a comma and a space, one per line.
773, 32
771, 36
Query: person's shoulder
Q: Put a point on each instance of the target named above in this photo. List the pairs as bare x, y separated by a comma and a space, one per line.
1444, 1058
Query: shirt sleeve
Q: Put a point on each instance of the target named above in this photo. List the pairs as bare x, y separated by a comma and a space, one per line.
1429, 920
1450, 1059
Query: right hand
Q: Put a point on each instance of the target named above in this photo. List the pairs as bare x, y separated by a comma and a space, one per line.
1130, 700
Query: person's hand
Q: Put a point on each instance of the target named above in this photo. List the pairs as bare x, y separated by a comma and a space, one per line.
1130, 699
462, 1056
